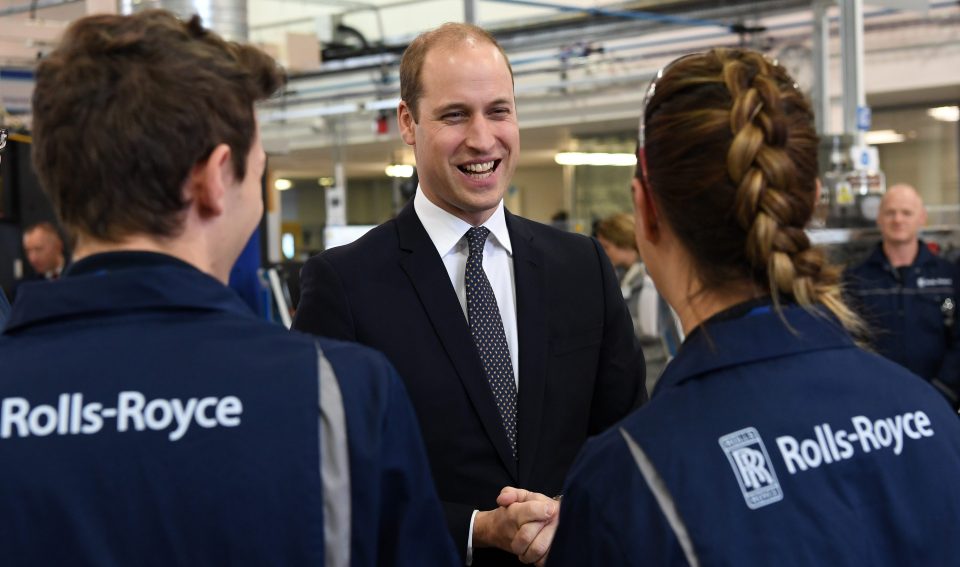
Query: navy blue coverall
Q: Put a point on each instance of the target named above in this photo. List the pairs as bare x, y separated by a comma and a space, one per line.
765, 444
912, 314
148, 418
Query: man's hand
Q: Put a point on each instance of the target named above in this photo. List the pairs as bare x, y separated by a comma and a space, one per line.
526, 511
531, 543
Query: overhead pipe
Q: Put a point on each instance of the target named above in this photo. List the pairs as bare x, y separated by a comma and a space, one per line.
34, 6
637, 77
824, 24
624, 14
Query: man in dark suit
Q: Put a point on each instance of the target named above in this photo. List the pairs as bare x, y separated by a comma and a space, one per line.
512, 337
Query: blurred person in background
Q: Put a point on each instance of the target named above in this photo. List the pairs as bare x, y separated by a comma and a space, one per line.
651, 316
44, 249
772, 438
908, 295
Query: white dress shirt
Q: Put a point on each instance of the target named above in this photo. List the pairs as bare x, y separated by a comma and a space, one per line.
447, 233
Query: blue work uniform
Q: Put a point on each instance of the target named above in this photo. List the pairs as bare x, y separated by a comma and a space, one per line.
4, 308
912, 314
767, 443
148, 418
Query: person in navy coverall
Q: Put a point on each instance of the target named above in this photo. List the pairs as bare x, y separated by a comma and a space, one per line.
908, 295
147, 417
772, 438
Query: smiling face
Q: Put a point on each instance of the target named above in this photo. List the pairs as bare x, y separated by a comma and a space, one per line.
465, 137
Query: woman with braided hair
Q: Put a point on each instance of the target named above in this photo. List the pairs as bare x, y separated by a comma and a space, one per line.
771, 438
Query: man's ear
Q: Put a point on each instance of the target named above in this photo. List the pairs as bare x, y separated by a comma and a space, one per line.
647, 217
406, 123
210, 181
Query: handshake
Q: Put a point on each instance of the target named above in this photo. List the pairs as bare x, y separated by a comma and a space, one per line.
524, 524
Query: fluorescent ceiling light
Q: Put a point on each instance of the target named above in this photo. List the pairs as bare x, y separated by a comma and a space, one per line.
309, 112
877, 137
945, 113
288, 244
399, 170
282, 184
336, 109
579, 158
390, 104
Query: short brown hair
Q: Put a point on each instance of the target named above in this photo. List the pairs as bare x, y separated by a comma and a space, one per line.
127, 105
45, 226
731, 153
411, 87
619, 230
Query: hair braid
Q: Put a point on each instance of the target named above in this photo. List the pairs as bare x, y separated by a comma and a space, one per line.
742, 219
770, 205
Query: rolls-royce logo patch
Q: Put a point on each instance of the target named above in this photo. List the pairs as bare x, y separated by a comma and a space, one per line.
752, 467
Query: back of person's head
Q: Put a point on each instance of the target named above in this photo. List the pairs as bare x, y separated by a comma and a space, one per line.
730, 157
127, 105
618, 229
449, 34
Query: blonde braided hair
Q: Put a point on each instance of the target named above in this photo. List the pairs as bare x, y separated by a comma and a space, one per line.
739, 104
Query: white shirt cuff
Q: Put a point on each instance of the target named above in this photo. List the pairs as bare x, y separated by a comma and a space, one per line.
470, 539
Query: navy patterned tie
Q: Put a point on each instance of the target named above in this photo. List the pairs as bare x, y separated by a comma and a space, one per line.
486, 326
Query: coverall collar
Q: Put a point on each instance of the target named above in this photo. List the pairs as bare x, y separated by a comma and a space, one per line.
758, 334
161, 282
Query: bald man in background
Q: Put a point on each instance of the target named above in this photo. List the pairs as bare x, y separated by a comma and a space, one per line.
908, 296
44, 249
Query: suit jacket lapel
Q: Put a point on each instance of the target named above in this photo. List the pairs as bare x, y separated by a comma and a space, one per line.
425, 269
530, 283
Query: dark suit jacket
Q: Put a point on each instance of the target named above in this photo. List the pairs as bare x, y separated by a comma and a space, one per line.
580, 367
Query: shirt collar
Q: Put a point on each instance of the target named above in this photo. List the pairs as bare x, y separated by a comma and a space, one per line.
446, 230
